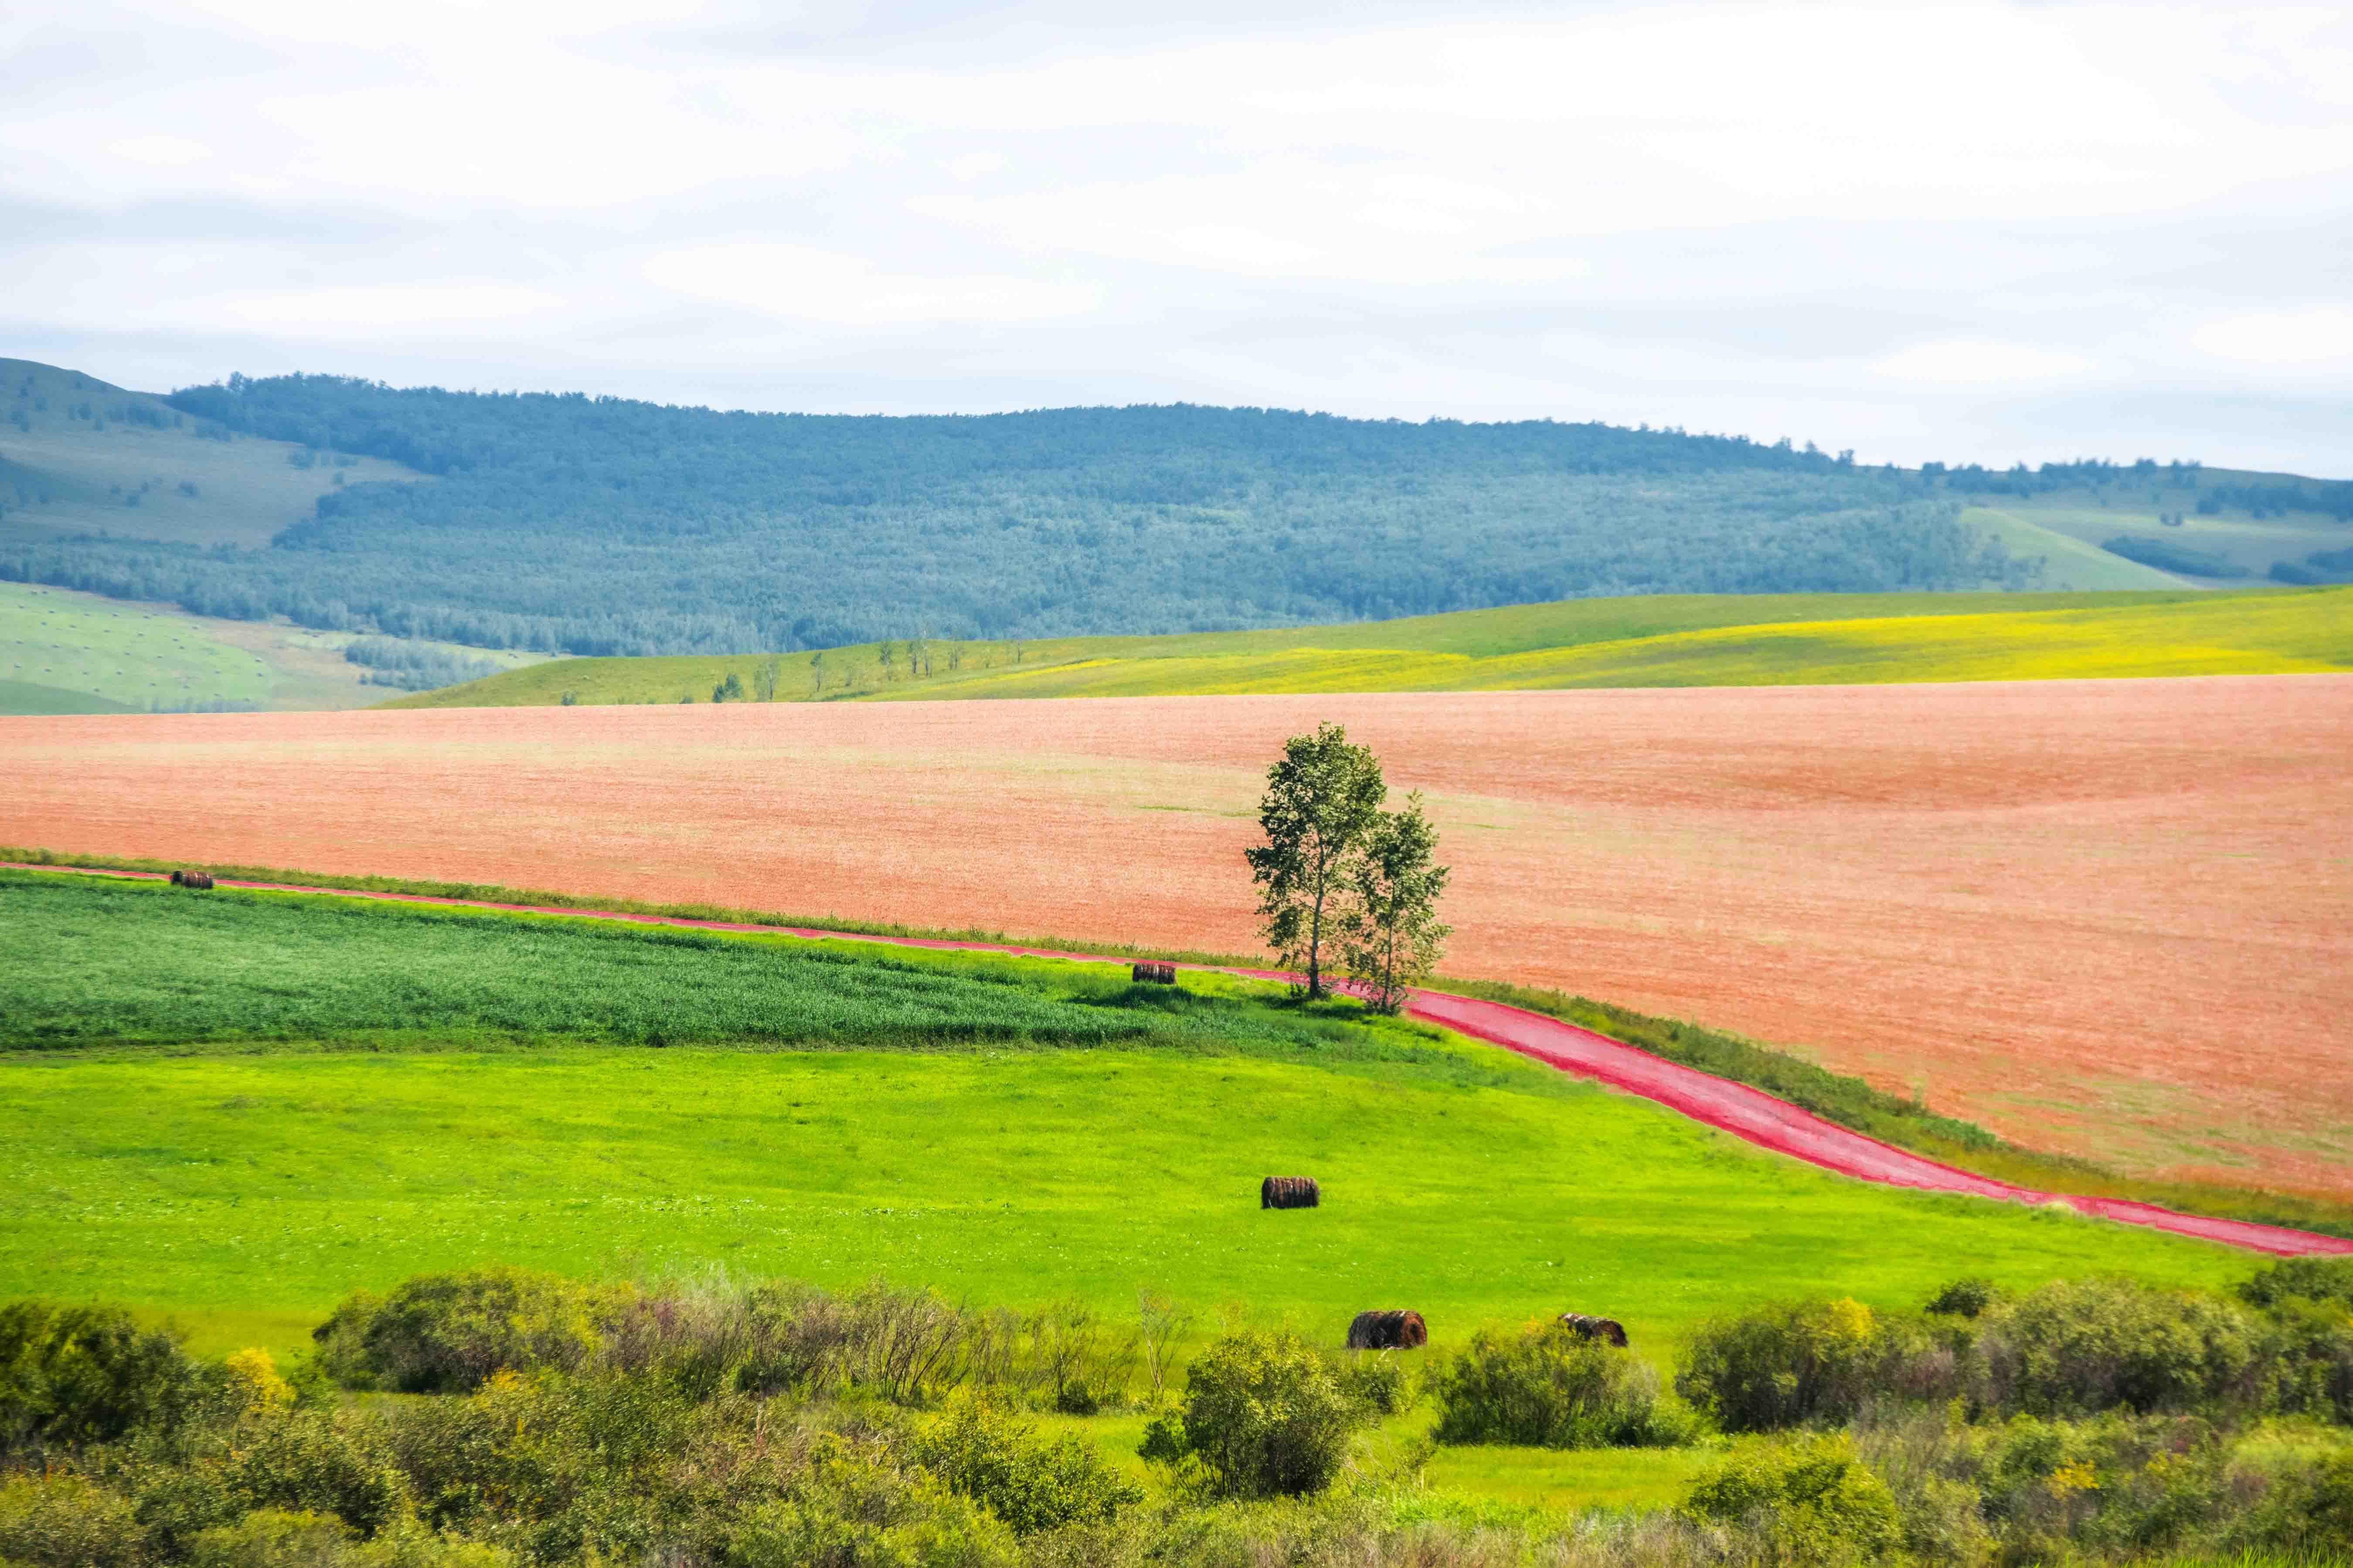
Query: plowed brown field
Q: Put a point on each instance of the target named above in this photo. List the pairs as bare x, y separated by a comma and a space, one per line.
2110, 917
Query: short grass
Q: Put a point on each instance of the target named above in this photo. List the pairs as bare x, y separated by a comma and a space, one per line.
1692, 641
2249, 542
67, 652
2069, 561
124, 656
259, 1178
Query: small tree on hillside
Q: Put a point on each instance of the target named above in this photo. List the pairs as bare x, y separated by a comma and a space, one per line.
771, 670
1320, 801
816, 674
1389, 935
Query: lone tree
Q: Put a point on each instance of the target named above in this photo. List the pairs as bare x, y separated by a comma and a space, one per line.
1389, 935
1321, 800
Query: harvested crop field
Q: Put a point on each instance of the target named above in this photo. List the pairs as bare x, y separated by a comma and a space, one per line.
2114, 918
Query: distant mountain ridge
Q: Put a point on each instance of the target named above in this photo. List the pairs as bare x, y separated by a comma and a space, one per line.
607, 526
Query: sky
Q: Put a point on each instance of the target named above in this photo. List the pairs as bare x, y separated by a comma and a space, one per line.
1968, 232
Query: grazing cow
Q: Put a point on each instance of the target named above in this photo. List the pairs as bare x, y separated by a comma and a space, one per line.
1290, 1192
1608, 1330
1389, 1330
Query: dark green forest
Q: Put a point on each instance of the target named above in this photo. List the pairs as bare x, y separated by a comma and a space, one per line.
605, 526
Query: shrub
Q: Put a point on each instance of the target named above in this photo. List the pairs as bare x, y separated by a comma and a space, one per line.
2308, 1514
73, 1376
1379, 1381
1549, 1387
2301, 1278
272, 1539
1806, 1502
1964, 1298
850, 1510
313, 1462
1263, 1416
63, 1521
982, 1453
1782, 1365
445, 1334
2086, 1346
2309, 1348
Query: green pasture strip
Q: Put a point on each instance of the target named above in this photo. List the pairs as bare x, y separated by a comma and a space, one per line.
495, 893
1467, 650
141, 967
1848, 1100
247, 1183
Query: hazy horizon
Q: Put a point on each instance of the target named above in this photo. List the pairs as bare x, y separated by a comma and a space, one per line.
1972, 232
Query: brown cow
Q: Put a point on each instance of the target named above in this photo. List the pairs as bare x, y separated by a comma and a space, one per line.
1389, 1330
1608, 1330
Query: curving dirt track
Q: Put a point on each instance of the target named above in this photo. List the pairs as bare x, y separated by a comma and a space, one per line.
1745, 1113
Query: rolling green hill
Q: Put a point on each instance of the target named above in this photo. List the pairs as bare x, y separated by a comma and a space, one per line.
1757, 640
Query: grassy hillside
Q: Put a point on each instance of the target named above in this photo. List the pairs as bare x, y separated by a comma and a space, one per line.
1723, 640
242, 1105
81, 456
64, 652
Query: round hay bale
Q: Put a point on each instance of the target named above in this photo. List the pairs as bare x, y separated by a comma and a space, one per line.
1152, 972
1290, 1192
1391, 1330
1608, 1330
176, 877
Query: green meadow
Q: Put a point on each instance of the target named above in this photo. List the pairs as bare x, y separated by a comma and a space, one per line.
1690, 640
235, 1108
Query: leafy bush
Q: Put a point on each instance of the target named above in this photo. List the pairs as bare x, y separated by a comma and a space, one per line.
981, 1452
1965, 1299
63, 1521
1782, 1365
1263, 1416
2309, 1352
75, 1375
314, 1462
1549, 1387
850, 1510
2085, 1346
2301, 1279
1806, 1502
1380, 1380
2307, 1513
445, 1334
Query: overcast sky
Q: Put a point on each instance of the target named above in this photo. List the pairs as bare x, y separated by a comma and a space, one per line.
1974, 231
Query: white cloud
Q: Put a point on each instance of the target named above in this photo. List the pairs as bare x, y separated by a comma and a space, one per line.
1964, 362
2322, 336
802, 283
161, 151
1893, 212
356, 311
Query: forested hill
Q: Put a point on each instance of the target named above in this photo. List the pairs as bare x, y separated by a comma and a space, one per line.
599, 525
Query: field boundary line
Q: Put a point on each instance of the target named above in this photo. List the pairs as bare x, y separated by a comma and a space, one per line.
1741, 1109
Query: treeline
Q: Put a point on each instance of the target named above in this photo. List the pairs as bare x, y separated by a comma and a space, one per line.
602, 526
409, 668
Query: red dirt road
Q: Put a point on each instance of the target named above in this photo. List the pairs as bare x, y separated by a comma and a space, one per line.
2108, 918
1734, 1108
